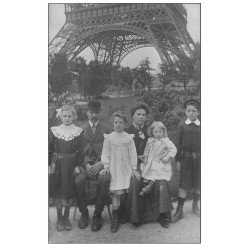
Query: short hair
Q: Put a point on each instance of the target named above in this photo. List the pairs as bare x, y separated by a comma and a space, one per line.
68, 108
121, 115
154, 125
139, 105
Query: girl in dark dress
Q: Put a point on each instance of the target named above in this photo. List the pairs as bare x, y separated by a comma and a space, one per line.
66, 154
188, 158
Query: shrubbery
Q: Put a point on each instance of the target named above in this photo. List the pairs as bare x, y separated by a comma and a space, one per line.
165, 106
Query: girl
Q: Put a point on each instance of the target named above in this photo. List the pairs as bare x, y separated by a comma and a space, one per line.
156, 171
157, 157
119, 157
188, 158
65, 155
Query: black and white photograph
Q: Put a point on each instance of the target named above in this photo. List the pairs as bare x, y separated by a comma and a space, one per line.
101, 135
124, 82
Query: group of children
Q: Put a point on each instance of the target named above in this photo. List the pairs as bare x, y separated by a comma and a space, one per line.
119, 158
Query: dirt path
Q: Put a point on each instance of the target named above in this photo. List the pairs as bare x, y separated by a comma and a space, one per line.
186, 230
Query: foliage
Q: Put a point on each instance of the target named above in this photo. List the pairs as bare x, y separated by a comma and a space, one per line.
93, 78
180, 70
142, 74
197, 63
60, 75
163, 105
166, 74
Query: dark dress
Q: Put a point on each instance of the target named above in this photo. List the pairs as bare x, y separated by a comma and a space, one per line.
188, 154
146, 209
66, 155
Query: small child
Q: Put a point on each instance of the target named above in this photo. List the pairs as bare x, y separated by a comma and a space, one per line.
157, 157
66, 153
119, 157
188, 158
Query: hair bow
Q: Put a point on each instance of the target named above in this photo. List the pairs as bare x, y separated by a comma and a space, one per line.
58, 112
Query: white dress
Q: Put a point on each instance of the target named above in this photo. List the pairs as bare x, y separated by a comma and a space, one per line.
119, 154
155, 169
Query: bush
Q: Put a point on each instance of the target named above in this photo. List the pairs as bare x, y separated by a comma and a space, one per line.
165, 107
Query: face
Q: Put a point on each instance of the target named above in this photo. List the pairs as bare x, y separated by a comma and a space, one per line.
92, 115
67, 117
119, 124
192, 112
158, 133
139, 117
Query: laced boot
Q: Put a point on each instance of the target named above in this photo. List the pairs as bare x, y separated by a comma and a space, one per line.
67, 225
147, 189
195, 207
179, 211
163, 220
97, 221
84, 220
59, 222
115, 222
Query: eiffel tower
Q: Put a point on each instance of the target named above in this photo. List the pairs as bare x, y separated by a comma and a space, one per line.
113, 30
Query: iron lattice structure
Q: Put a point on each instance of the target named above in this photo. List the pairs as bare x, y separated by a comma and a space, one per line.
112, 31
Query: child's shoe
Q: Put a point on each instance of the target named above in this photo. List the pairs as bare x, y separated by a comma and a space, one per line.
59, 222
115, 222
195, 207
66, 222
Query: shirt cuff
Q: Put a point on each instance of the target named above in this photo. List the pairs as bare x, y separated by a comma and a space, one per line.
105, 165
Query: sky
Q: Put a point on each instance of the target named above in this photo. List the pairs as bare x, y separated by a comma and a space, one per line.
57, 19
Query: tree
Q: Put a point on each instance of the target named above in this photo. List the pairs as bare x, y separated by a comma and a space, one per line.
167, 74
127, 77
197, 63
96, 78
60, 75
142, 74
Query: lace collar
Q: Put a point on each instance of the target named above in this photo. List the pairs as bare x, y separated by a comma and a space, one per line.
66, 133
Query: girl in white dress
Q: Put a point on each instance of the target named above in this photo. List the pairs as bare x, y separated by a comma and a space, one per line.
157, 157
119, 157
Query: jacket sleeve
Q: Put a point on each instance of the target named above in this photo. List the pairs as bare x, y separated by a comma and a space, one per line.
179, 143
51, 146
133, 154
80, 151
106, 153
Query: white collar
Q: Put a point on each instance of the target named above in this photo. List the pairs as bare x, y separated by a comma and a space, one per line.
137, 126
91, 123
66, 133
196, 122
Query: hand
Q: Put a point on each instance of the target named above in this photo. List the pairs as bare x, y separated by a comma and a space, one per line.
136, 174
165, 159
96, 168
76, 170
104, 171
142, 158
178, 166
52, 168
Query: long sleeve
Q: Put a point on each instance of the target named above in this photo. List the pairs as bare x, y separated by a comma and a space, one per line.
133, 155
106, 153
179, 143
51, 146
171, 149
80, 151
